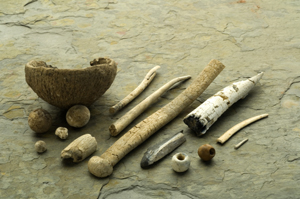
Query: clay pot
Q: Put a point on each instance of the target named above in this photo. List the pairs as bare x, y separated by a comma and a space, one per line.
67, 87
180, 162
206, 152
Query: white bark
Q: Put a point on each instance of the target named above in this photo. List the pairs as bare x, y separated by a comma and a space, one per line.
205, 115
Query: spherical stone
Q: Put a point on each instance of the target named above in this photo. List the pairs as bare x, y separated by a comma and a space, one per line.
78, 116
206, 152
40, 146
40, 120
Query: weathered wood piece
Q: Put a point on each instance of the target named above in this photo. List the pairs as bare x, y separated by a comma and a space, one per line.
160, 150
240, 143
205, 115
103, 166
80, 148
126, 119
138, 90
239, 126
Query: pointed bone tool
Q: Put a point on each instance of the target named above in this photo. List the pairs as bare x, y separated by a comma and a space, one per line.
160, 150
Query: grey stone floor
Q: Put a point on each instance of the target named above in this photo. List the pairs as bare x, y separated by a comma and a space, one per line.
248, 36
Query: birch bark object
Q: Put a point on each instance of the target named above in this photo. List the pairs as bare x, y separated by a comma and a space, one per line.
239, 126
80, 148
103, 166
146, 81
126, 119
205, 115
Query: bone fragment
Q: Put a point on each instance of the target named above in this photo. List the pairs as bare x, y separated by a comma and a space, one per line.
205, 115
103, 166
146, 81
239, 126
80, 148
160, 150
126, 119
62, 133
240, 143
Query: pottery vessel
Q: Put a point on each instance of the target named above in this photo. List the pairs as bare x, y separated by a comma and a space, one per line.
67, 87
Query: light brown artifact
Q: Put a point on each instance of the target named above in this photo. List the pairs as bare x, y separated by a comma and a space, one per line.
240, 143
206, 152
103, 166
62, 133
39, 120
126, 119
67, 87
80, 148
239, 126
40, 146
138, 90
78, 116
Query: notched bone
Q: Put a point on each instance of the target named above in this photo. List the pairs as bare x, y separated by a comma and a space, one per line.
80, 148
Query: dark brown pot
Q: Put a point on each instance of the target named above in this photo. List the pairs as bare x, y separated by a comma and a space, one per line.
67, 87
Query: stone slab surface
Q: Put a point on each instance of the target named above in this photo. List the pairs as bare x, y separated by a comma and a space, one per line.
248, 36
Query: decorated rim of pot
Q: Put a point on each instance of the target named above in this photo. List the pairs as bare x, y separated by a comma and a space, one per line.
35, 64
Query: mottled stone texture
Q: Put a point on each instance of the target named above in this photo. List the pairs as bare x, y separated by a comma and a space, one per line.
248, 36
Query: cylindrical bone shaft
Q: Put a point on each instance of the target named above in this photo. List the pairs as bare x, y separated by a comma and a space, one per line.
146, 81
103, 166
239, 126
126, 119
205, 115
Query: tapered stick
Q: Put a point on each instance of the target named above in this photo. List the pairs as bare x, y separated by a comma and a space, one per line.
239, 126
126, 119
103, 166
146, 81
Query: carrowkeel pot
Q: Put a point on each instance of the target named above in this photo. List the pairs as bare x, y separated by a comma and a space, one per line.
64, 88
103, 166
